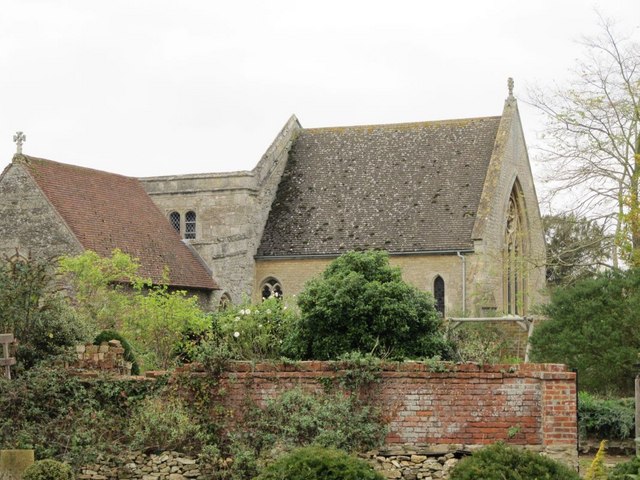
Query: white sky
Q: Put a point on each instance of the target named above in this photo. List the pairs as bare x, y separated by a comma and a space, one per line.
159, 87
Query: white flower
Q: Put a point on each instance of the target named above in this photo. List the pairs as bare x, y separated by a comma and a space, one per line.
268, 310
242, 312
248, 312
236, 334
284, 308
237, 318
259, 325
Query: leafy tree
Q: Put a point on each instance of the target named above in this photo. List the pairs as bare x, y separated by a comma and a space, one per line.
593, 136
35, 312
101, 286
360, 303
110, 293
576, 248
593, 326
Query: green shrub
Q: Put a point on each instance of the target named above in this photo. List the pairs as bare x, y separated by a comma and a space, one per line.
361, 304
612, 419
501, 462
481, 343
623, 470
315, 463
163, 424
107, 335
297, 418
61, 416
48, 470
256, 332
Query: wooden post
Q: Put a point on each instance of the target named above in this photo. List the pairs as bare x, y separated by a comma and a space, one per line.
5, 360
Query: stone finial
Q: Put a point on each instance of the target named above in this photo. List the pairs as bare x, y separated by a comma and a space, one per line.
510, 86
19, 138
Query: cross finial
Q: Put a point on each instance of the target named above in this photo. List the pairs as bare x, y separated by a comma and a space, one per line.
510, 86
19, 138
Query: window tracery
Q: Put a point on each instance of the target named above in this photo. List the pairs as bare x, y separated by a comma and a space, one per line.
515, 251
271, 287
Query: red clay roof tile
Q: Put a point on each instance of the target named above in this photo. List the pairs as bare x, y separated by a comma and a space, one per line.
106, 211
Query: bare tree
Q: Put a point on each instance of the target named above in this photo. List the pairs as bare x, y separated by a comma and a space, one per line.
592, 140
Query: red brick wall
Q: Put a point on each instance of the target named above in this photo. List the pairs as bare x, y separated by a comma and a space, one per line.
528, 404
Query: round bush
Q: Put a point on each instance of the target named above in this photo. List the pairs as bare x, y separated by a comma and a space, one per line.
316, 463
48, 470
500, 462
107, 335
623, 470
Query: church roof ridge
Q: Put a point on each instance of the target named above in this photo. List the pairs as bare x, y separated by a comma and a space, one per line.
30, 159
408, 125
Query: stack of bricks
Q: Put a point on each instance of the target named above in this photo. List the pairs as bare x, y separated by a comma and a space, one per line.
106, 357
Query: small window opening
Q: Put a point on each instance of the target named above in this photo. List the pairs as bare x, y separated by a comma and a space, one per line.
174, 219
190, 225
438, 294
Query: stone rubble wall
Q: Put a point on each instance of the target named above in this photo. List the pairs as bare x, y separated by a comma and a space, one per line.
434, 462
106, 357
140, 466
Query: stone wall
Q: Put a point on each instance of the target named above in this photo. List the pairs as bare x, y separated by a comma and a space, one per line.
231, 210
420, 270
28, 222
106, 357
140, 466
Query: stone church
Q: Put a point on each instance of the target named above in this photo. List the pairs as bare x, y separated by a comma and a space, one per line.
453, 202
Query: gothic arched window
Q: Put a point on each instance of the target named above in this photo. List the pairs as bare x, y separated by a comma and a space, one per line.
190, 225
174, 219
271, 287
438, 294
515, 250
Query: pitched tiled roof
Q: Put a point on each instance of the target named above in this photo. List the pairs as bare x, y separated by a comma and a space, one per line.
106, 211
404, 188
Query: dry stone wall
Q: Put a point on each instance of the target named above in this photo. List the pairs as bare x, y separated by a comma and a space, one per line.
106, 357
139, 466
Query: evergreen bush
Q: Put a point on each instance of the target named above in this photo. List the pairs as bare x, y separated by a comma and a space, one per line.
48, 470
626, 471
612, 419
316, 463
501, 462
361, 304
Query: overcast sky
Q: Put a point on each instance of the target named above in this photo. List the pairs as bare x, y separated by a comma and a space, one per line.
158, 87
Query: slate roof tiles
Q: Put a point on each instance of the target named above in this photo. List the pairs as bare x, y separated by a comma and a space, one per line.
404, 188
